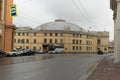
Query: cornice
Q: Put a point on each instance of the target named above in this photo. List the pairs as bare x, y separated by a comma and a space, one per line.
117, 0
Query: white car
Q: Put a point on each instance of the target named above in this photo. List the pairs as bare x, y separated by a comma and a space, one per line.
14, 53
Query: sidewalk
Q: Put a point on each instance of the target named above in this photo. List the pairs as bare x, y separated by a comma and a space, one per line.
106, 70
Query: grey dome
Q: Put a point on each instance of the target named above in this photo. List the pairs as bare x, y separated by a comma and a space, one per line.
59, 25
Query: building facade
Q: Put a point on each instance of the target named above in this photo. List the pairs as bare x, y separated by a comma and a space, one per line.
73, 38
6, 26
115, 6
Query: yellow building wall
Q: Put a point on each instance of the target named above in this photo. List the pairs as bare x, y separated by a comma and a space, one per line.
67, 38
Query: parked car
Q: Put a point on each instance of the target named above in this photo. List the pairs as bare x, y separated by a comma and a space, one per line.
2, 53
14, 53
28, 52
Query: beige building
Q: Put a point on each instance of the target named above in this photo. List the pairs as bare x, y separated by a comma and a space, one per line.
72, 37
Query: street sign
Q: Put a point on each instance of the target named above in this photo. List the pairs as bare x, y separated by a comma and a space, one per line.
13, 10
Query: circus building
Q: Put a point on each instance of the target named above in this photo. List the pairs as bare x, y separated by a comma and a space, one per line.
73, 38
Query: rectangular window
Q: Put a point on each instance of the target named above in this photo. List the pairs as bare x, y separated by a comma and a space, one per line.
73, 47
80, 41
61, 34
23, 34
18, 34
56, 41
50, 40
27, 34
45, 40
73, 35
76, 47
73, 41
27, 40
35, 41
80, 35
22, 41
76, 41
34, 34
61, 41
14, 40
80, 48
50, 34
45, 34
56, 34
18, 40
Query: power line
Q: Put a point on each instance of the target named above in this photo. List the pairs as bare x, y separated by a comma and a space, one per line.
84, 13
87, 14
81, 11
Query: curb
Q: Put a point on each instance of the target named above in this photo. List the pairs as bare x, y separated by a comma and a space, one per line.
91, 70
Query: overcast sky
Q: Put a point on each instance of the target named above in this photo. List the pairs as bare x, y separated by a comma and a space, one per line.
94, 15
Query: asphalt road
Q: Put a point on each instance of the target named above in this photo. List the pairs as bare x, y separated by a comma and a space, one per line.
61, 68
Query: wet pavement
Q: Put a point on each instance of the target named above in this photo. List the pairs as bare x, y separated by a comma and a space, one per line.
22, 59
63, 67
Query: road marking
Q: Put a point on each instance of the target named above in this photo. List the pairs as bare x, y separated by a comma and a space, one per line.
29, 75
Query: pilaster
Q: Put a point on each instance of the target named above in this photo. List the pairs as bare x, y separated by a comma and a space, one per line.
117, 33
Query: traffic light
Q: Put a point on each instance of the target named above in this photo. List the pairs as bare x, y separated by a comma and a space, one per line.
13, 11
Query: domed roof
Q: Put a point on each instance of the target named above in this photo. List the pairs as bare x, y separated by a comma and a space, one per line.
59, 25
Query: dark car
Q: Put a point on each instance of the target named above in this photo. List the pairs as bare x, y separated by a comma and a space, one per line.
2, 53
28, 52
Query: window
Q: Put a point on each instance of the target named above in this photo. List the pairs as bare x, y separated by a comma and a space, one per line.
80, 48
56, 34
87, 36
23, 34
76, 41
50, 34
14, 40
105, 49
80, 41
27, 40
73, 35
18, 40
55, 40
45, 40
45, 34
35, 41
76, 35
34, 34
98, 41
80, 35
61, 40
86, 48
61, 34
73, 41
87, 42
50, 40
22, 41
76, 47
27, 34
73, 47
18, 34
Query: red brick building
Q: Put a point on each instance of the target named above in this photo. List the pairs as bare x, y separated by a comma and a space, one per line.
6, 26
